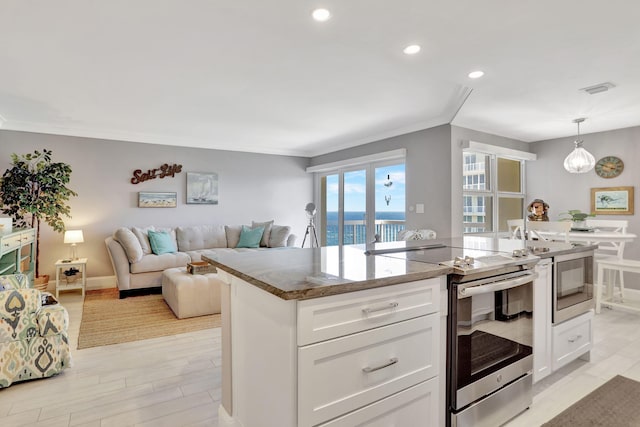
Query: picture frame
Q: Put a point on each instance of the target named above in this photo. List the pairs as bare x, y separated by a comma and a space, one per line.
202, 188
612, 201
157, 199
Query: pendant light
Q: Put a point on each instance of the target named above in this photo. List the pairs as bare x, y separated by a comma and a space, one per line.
579, 160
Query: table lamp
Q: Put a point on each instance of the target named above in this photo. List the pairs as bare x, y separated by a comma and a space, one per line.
73, 237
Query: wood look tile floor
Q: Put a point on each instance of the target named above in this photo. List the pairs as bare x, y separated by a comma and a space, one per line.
175, 381
169, 381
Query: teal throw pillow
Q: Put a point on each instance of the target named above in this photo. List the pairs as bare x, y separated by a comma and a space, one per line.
250, 237
161, 242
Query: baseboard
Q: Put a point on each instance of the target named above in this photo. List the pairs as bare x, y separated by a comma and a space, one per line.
93, 283
224, 419
101, 282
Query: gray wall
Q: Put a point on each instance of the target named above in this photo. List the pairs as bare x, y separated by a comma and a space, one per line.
251, 187
434, 171
547, 179
428, 173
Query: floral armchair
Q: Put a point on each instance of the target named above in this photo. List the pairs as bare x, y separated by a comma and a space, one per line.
34, 340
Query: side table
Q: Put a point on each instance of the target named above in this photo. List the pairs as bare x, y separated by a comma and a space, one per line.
81, 283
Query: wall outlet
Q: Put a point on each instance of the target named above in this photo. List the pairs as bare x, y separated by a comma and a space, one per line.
419, 207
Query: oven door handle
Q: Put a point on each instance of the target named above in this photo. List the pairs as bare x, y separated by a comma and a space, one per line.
497, 286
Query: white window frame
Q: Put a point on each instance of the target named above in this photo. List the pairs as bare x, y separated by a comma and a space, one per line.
369, 164
495, 152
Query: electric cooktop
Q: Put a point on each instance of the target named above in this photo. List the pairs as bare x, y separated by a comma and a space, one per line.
466, 255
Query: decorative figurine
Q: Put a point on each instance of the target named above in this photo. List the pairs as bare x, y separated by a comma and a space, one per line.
538, 210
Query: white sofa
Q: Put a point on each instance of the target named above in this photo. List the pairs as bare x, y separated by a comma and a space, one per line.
139, 270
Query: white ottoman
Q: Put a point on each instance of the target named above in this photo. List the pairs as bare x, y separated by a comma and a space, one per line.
191, 295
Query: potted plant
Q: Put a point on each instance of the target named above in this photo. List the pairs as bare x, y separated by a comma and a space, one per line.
70, 274
578, 217
34, 189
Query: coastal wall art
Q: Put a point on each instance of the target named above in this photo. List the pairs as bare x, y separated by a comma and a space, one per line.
612, 201
202, 188
157, 199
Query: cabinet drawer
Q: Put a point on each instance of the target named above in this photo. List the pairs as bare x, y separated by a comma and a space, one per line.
341, 375
27, 236
339, 315
417, 406
571, 339
10, 243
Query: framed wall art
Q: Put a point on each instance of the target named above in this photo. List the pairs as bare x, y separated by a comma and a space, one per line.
202, 188
612, 201
157, 199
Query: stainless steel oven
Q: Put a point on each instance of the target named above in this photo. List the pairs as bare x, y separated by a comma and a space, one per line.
490, 354
572, 285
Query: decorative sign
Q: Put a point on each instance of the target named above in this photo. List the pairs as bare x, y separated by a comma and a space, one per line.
162, 172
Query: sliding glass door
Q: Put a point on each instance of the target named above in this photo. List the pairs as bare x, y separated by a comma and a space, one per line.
362, 204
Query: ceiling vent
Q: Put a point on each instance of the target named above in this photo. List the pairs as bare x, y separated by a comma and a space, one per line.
602, 87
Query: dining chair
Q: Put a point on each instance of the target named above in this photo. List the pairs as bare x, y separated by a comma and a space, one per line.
610, 251
549, 230
516, 228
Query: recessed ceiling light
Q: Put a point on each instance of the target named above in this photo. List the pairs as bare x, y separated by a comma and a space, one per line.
412, 49
476, 74
321, 15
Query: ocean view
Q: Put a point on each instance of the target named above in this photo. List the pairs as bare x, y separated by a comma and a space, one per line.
354, 231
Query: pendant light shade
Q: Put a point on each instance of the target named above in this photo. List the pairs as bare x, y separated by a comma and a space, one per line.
579, 160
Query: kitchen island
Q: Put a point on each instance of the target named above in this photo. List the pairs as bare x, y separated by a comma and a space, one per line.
330, 336
333, 337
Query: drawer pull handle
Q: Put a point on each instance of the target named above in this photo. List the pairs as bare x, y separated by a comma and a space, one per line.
389, 306
391, 361
575, 339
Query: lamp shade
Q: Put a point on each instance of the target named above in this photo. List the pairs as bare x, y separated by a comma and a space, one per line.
73, 236
579, 160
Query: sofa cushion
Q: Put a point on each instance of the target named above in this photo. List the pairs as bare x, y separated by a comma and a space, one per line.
279, 236
250, 237
153, 263
233, 235
264, 242
143, 238
130, 244
161, 242
201, 237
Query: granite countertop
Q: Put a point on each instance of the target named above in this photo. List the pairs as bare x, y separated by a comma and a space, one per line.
295, 273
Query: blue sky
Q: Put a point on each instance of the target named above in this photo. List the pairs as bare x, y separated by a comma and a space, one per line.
355, 190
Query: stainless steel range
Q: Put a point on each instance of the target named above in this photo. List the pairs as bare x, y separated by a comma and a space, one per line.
489, 327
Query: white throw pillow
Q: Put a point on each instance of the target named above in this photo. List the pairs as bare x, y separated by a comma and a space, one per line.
279, 235
267, 231
130, 243
233, 235
143, 237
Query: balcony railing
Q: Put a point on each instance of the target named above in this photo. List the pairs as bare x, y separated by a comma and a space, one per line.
355, 231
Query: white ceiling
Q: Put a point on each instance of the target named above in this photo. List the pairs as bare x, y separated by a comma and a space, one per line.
262, 76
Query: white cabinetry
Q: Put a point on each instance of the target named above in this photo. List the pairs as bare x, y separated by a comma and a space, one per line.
366, 358
17, 252
358, 348
554, 346
542, 320
572, 339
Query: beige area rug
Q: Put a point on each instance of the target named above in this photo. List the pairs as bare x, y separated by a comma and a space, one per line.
106, 319
613, 404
